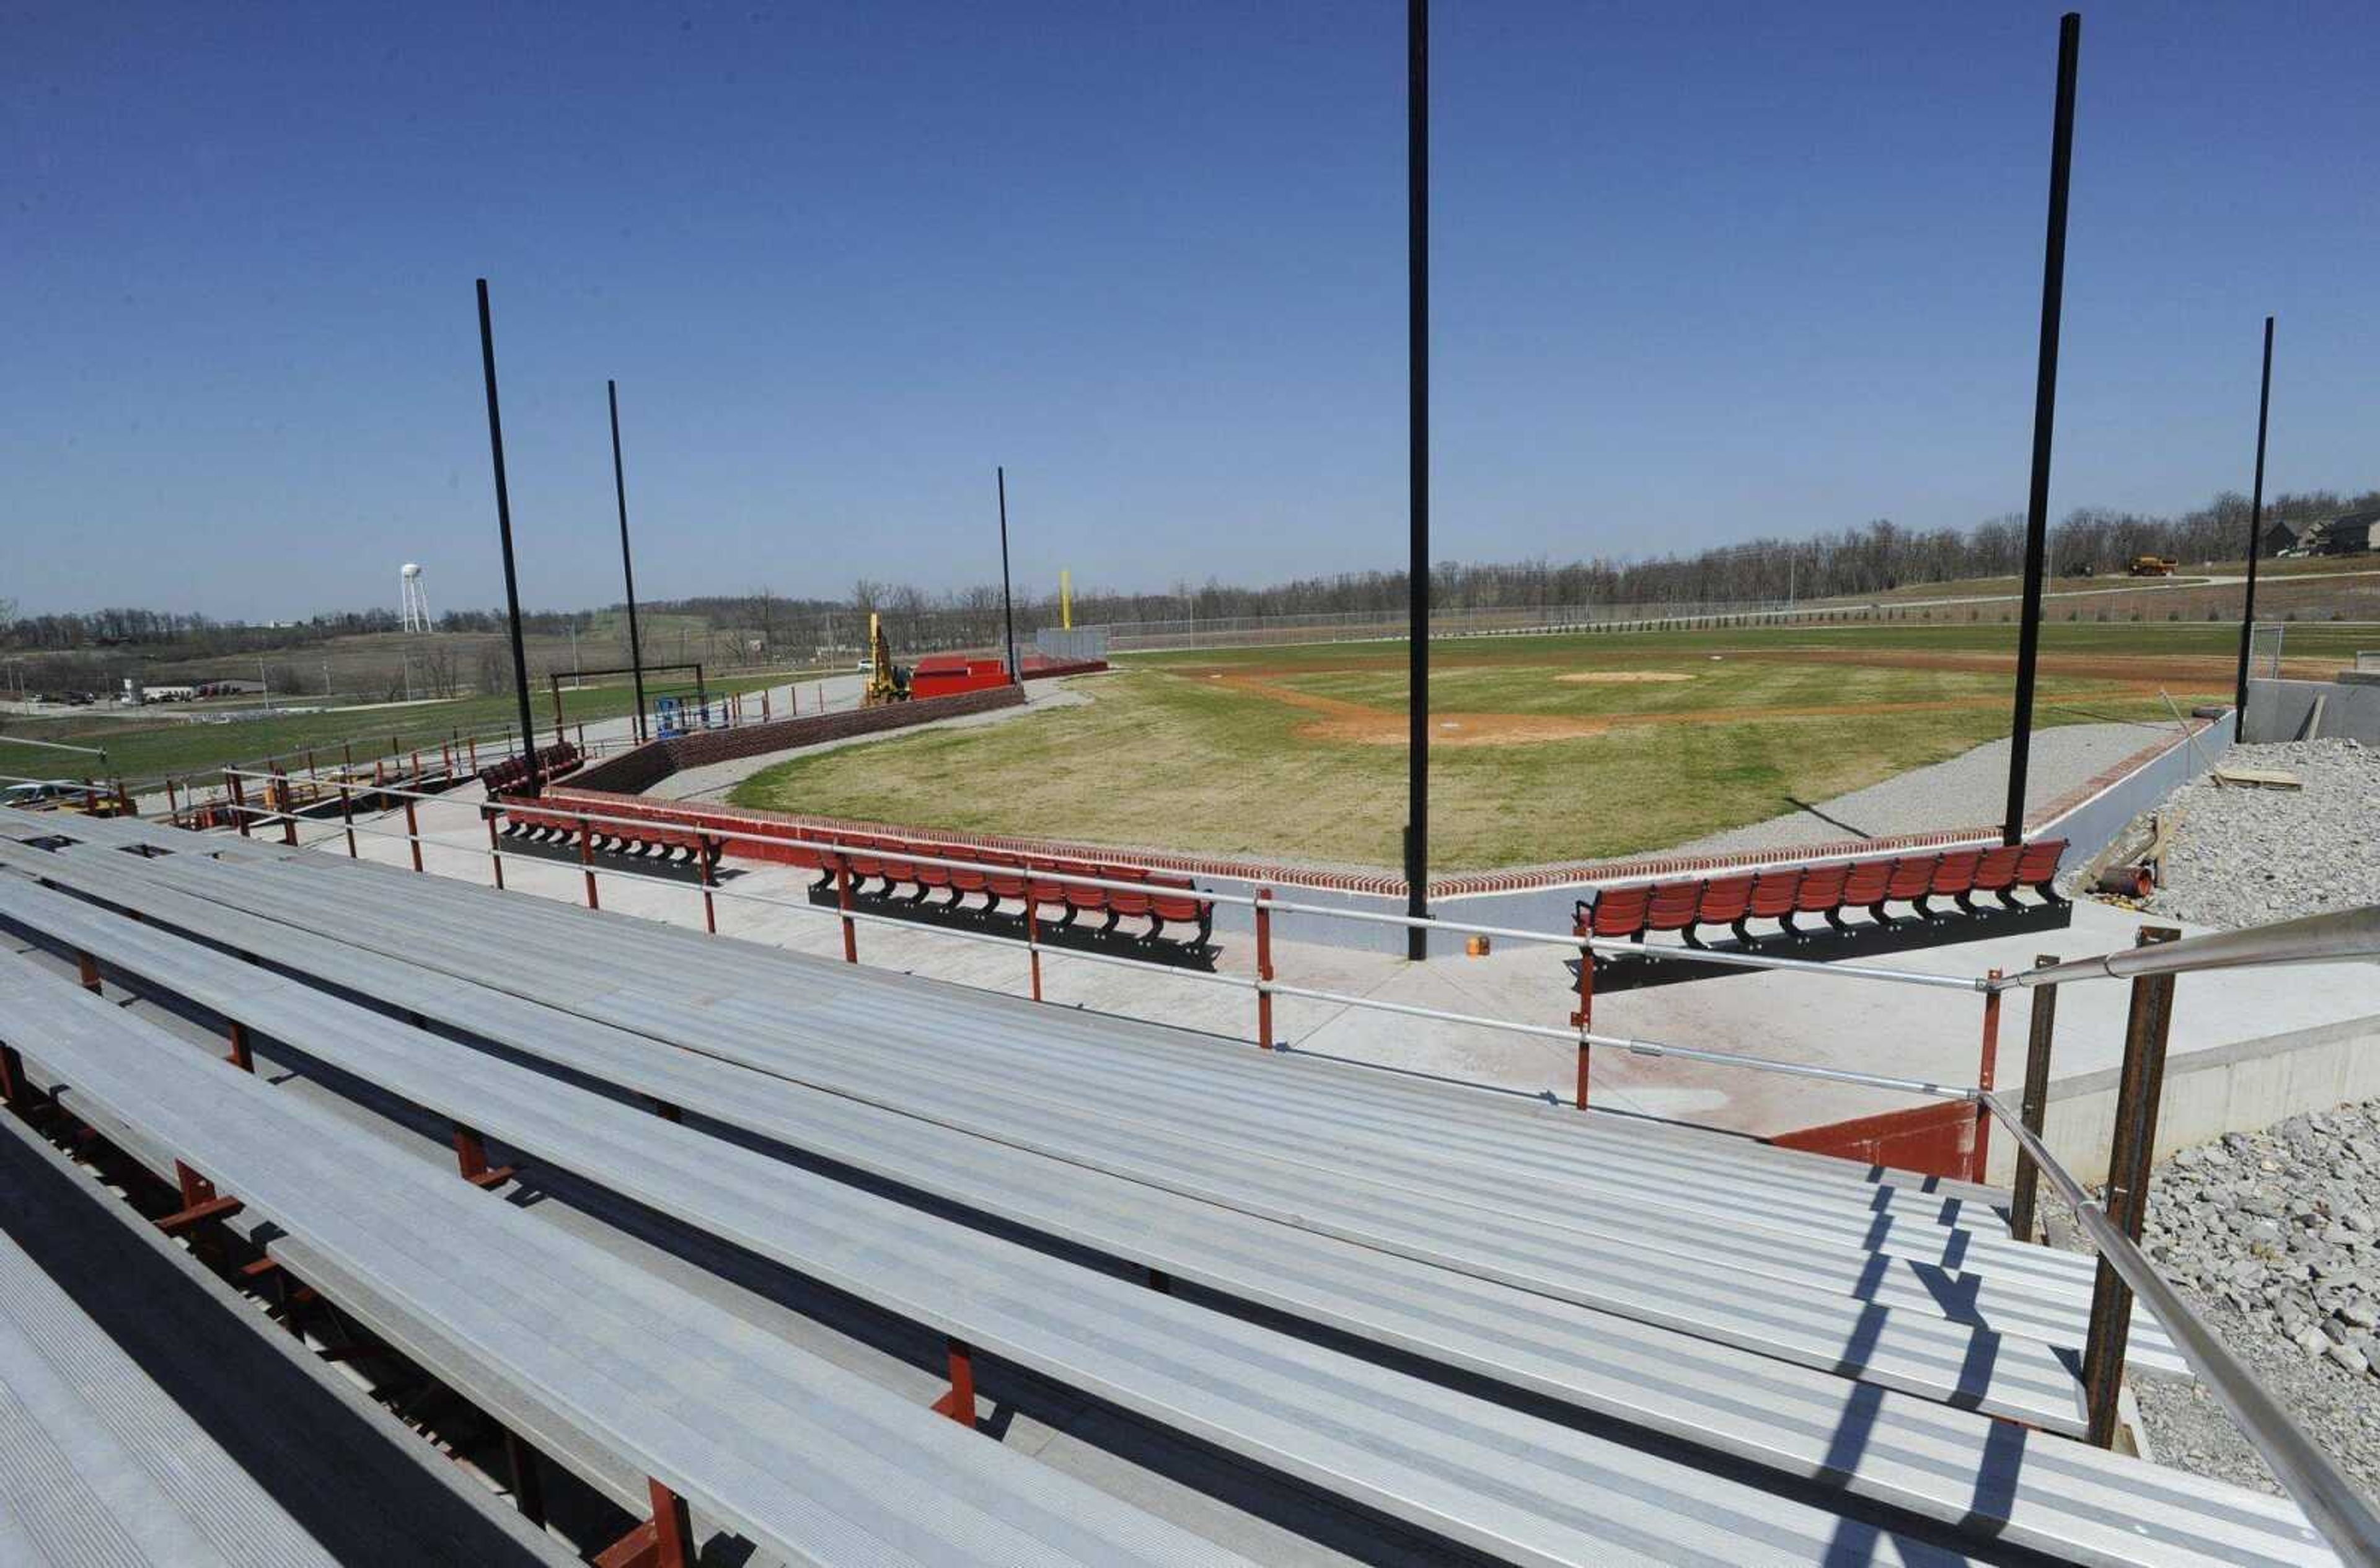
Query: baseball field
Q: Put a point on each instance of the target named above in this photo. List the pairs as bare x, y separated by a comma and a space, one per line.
1542, 748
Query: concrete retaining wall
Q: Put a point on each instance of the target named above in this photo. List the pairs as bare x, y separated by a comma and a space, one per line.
2090, 824
2278, 710
2244, 1087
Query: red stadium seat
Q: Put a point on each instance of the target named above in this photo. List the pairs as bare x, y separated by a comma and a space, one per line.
1995, 872
2037, 868
1824, 890
1003, 883
1909, 879
1863, 885
1619, 912
1773, 897
1673, 905
1171, 905
1724, 901
1954, 876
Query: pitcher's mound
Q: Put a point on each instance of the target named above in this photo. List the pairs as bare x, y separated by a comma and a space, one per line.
1621, 677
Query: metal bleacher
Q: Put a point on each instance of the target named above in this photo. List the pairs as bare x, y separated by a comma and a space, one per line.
98, 1465
798, 1456
1543, 1336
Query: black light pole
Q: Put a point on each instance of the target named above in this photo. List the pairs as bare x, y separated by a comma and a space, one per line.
1007, 605
2044, 419
505, 534
627, 565
1417, 481
2256, 540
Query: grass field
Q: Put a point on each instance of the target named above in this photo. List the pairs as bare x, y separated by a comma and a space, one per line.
163, 740
1542, 748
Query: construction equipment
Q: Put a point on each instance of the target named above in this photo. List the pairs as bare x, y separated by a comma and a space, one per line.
886, 681
2154, 565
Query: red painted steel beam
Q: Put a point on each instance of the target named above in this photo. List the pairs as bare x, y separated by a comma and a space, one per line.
959, 1403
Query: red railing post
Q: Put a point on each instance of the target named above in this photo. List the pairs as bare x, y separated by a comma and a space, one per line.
1264, 968
240, 1056
1980, 1154
586, 857
842, 901
472, 746
239, 800
87, 968
347, 815
1585, 1017
959, 1403
705, 853
496, 851
413, 831
673, 1528
286, 804
173, 808
1033, 936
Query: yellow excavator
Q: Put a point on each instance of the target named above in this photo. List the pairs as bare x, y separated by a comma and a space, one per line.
886, 681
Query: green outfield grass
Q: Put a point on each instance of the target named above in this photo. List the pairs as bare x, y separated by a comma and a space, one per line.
149, 747
1296, 752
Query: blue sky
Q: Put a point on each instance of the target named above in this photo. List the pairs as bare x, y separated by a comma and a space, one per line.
1700, 272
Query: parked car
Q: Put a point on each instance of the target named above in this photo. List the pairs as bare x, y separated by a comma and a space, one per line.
34, 796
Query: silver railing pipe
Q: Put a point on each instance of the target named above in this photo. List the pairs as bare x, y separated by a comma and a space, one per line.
2339, 937
2331, 1502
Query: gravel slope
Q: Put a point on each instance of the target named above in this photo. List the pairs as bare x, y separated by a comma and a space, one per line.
2243, 857
2276, 1236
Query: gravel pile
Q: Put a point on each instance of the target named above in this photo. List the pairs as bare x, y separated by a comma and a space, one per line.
2276, 1236
2243, 857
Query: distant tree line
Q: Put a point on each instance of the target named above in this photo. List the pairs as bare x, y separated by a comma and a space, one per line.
765, 628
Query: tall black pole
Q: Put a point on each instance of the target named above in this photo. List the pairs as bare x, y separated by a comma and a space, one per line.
627, 564
2044, 419
1417, 479
1007, 605
2255, 541
505, 534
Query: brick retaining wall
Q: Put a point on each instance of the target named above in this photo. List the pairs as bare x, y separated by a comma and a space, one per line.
635, 771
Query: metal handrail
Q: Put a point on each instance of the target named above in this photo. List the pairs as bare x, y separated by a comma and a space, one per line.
1262, 985
2331, 1502
1609, 945
2339, 937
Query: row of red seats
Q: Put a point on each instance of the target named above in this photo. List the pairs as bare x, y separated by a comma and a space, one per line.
513, 771
1163, 899
1825, 890
660, 829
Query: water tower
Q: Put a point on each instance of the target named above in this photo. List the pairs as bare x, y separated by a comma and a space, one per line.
413, 613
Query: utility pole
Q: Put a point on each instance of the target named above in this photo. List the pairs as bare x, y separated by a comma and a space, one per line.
1417, 457
1007, 605
504, 537
2044, 419
627, 565
2255, 542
